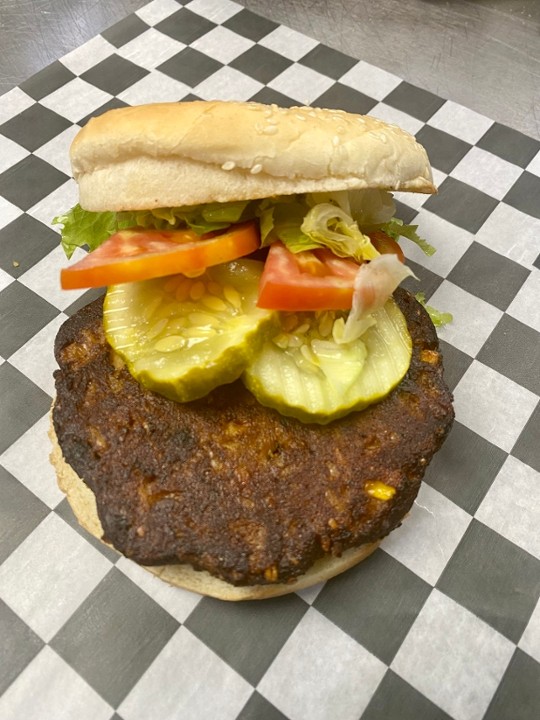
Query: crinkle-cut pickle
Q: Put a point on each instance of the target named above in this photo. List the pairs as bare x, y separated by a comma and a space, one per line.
180, 336
302, 373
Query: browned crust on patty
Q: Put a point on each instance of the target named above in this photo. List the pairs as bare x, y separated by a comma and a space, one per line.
230, 486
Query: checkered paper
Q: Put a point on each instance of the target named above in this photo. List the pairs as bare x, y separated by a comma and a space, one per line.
444, 620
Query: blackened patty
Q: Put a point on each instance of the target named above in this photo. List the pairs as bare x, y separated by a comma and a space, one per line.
230, 486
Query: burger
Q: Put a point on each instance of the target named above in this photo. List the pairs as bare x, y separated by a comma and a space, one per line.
252, 405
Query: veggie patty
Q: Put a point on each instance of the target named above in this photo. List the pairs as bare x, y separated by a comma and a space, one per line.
230, 486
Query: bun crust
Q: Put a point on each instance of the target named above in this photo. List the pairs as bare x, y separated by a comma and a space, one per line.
174, 154
83, 504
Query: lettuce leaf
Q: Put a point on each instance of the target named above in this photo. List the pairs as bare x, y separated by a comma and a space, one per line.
369, 207
301, 222
230, 212
282, 219
199, 218
396, 228
212, 216
331, 227
83, 228
438, 318
300, 227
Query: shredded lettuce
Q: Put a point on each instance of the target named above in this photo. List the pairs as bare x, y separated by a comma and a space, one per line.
281, 218
213, 216
331, 227
369, 207
437, 318
373, 285
302, 222
301, 227
396, 228
199, 218
83, 228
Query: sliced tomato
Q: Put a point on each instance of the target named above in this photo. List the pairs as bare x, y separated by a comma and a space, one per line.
308, 280
384, 244
132, 255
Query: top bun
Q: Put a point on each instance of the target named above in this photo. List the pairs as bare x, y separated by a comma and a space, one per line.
175, 154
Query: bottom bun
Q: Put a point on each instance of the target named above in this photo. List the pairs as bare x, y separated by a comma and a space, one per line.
83, 504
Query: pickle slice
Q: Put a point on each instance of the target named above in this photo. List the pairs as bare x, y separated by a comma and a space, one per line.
180, 336
303, 373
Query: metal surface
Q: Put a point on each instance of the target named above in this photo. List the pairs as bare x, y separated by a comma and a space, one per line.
482, 54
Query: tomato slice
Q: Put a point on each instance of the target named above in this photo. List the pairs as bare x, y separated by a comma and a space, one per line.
384, 244
131, 255
317, 280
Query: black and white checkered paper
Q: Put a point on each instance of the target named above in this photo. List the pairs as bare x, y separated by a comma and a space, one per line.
444, 620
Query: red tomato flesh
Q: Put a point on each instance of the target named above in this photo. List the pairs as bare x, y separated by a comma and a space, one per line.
317, 280
131, 255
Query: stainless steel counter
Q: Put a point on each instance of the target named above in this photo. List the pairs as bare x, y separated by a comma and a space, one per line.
482, 54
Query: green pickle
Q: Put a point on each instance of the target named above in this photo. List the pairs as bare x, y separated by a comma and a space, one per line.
303, 373
182, 337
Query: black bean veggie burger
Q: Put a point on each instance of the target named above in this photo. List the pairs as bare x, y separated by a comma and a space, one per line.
251, 407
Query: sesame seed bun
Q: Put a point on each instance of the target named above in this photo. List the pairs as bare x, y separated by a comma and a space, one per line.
174, 154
